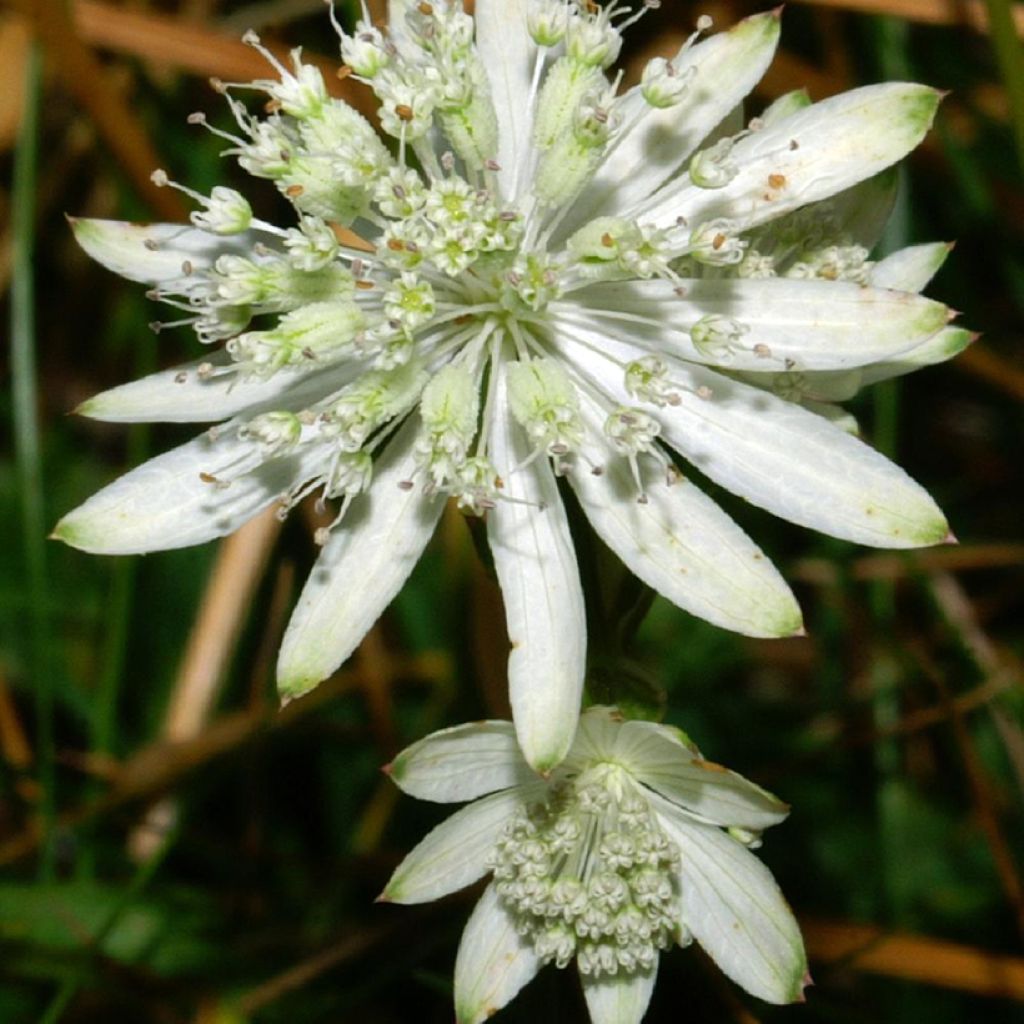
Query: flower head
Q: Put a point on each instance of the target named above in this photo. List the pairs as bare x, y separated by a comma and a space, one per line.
632, 845
550, 277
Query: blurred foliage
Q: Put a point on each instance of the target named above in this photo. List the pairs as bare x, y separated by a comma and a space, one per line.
894, 729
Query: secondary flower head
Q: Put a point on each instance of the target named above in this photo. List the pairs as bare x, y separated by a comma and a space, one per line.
548, 277
633, 844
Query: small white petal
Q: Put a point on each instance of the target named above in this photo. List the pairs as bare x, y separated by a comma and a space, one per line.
838, 142
364, 564
154, 253
461, 763
910, 269
733, 906
724, 69
494, 962
786, 324
182, 395
947, 343
620, 999
165, 503
704, 788
455, 853
681, 543
776, 454
507, 53
536, 566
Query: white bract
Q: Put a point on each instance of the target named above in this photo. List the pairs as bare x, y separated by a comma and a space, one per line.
559, 279
632, 845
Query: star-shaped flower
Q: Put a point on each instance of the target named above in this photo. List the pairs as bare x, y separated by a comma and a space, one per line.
632, 845
560, 279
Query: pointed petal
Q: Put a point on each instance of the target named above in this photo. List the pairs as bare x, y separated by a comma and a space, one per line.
461, 763
494, 962
508, 53
540, 584
714, 793
181, 395
455, 853
774, 453
947, 343
789, 325
910, 269
364, 564
786, 105
619, 999
165, 503
153, 253
839, 142
722, 70
735, 910
681, 543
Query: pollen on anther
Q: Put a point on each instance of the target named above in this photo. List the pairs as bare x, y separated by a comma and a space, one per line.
404, 112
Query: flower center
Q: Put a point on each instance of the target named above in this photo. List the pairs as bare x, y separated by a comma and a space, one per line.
590, 874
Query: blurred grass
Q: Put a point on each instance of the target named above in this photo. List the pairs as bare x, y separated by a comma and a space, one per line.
894, 729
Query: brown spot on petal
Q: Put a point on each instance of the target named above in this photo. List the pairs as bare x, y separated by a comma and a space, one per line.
710, 766
777, 180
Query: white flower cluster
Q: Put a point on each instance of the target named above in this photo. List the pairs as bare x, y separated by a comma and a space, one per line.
537, 280
632, 845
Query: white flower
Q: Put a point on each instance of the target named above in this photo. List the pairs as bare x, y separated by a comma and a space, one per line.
560, 280
633, 844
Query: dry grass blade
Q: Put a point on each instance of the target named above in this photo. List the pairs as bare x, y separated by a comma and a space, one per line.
915, 958
86, 80
236, 575
932, 12
196, 48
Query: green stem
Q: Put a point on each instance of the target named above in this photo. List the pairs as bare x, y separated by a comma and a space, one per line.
25, 399
1010, 58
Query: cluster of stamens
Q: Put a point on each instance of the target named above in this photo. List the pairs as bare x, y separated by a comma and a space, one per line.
589, 874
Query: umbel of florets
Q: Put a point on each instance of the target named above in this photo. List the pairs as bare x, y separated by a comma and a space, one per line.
530, 273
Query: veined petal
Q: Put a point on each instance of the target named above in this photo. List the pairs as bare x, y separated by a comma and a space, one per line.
912, 268
172, 502
154, 253
508, 54
680, 542
536, 565
706, 789
620, 998
722, 70
772, 324
494, 962
774, 453
455, 853
461, 763
735, 910
182, 395
838, 142
367, 559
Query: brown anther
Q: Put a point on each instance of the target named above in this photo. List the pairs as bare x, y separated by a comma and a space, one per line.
607, 240
208, 478
718, 241
344, 71
294, 191
404, 111
272, 106
777, 180
396, 245
425, 9
364, 286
